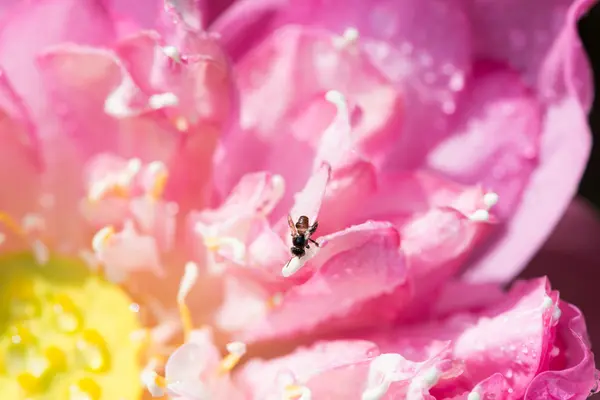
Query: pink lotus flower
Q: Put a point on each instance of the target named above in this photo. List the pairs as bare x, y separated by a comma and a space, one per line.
169, 159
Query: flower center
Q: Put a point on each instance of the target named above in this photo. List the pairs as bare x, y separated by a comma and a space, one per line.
65, 333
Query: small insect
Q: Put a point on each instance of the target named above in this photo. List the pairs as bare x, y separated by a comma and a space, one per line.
301, 232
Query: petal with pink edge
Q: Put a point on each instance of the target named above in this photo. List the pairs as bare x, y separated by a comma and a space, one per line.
572, 373
31, 27
557, 67
344, 280
514, 338
194, 359
308, 201
267, 379
190, 75
551, 188
424, 46
543, 45
495, 137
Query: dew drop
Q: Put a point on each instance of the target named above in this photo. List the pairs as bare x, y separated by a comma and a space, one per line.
525, 350
509, 374
92, 351
134, 307
457, 82
448, 107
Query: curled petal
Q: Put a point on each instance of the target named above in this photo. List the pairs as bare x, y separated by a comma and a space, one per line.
194, 359
515, 337
576, 374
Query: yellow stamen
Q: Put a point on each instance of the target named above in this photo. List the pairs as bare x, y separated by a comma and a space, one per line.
11, 224
186, 319
236, 352
160, 176
188, 280
293, 392
100, 191
86, 388
102, 237
228, 363
274, 301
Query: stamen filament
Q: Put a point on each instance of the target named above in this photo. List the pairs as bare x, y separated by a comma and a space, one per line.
190, 276
11, 224
236, 352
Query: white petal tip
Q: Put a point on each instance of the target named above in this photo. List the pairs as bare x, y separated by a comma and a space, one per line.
480, 216
473, 396
190, 275
158, 101
237, 348
292, 267
335, 97
490, 199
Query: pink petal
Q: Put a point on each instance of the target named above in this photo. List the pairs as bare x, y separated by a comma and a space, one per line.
293, 125
266, 379
241, 217
543, 45
199, 76
348, 192
401, 196
142, 13
31, 27
514, 337
193, 359
308, 201
577, 377
128, 251
344, 281
20, 163
243, 304
73, 73
381, 21
436, 245
551, 187
425, 46
495, 137
556, 65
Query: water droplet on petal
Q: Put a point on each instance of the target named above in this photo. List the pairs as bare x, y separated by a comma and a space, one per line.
457, 82
448, 107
